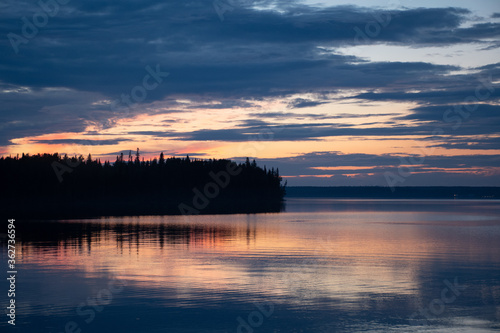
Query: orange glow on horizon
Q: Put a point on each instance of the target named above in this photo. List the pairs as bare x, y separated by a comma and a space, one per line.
169, 133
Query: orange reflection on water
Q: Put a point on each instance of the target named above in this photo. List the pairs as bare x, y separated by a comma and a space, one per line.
292, 255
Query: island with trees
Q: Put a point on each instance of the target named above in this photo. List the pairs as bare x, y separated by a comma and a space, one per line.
53, 186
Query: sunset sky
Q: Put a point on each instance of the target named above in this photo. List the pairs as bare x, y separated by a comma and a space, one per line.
331, 93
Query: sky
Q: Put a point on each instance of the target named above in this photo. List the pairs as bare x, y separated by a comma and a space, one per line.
333, 93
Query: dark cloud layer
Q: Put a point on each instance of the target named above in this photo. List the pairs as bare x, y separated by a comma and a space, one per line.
470, 143
104, 46
83, 142
303, 103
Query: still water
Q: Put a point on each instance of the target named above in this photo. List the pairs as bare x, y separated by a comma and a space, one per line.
323, 265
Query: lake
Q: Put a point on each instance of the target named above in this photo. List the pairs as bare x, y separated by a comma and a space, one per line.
322, 265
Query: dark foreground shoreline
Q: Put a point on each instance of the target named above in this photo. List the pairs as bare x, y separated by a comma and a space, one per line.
44, 209
226, 203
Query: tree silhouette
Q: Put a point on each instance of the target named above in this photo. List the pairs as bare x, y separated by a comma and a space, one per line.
132, 187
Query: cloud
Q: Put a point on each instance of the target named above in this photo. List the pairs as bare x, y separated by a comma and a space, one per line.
470, 143
303, 103
369, 169
225, 104
82, 142
316, 116
479, 112
459, 119
104, 47
263, 131
158, 134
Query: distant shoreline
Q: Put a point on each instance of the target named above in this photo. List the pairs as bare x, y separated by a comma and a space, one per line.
406, 192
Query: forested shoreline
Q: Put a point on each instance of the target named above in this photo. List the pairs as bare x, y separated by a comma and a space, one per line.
55, 186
